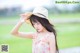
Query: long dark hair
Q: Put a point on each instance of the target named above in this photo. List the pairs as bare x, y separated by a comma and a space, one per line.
46, 24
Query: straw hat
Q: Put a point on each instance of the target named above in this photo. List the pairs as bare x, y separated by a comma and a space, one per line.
41, 12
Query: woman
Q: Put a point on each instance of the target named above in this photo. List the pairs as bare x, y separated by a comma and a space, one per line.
44, 40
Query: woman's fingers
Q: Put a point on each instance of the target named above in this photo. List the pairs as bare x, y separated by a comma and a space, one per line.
26, 16
23, 15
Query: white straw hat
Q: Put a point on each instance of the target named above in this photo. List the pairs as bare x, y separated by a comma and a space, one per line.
41, 12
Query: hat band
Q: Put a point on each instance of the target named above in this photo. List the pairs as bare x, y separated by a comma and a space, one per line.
41, 14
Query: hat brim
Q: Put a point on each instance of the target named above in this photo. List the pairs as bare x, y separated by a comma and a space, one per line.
30, 14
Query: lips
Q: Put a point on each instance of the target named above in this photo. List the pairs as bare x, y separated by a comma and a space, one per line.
37, 29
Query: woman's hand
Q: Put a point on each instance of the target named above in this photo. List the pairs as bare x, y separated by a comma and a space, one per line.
25, 16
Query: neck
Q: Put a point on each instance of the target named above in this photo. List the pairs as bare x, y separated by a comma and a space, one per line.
44, 31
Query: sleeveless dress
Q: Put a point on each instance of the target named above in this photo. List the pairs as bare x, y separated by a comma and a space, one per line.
40, 45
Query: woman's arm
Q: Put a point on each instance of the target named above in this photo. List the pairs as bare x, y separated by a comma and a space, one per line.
15, 30
52, 44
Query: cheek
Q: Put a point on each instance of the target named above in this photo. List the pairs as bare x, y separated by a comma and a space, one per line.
40, 27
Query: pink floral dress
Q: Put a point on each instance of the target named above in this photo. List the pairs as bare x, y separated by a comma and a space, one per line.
40, 45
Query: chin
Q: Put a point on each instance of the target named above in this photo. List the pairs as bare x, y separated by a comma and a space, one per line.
39, 30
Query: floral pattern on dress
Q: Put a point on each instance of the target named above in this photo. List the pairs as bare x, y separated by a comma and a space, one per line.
40, 45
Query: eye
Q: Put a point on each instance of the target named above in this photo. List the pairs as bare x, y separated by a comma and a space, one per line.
38, 23
33, 23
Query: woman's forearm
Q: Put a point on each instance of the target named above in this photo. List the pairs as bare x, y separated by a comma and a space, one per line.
16, 28
23, 18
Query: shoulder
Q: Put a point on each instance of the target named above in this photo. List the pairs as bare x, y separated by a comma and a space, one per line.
51, 37
35, 35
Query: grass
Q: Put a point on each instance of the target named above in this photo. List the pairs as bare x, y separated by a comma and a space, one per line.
68, 35
16, 44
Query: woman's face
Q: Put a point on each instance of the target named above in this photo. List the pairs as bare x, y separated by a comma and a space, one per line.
38, 26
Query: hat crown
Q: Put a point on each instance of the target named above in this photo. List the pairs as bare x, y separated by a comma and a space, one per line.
41, 11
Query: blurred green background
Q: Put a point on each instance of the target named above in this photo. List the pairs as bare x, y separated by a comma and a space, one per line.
66, 22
